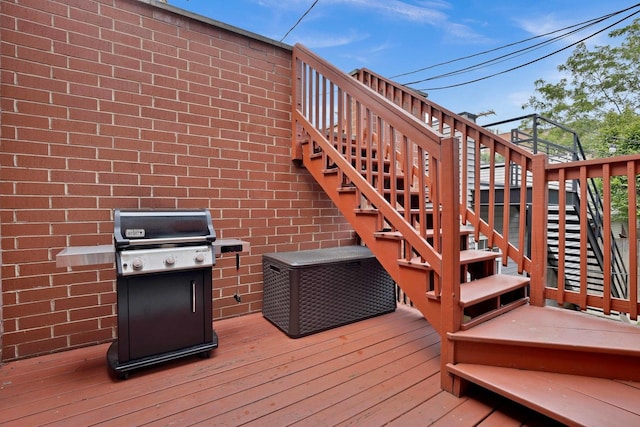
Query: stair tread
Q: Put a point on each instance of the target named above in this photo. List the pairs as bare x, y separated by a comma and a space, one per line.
467, 256
552, 327
375, 211
488, 287
396, 235
571, 399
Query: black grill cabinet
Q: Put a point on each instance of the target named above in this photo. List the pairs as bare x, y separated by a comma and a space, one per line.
163, 284
310, 291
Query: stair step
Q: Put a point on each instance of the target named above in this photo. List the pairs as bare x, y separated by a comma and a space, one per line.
374, 211
486, 288
569, 399
396, 235
554, 340
347, 189
467, 257
489, 297
330, 171
472, 256
552, 326
367, 211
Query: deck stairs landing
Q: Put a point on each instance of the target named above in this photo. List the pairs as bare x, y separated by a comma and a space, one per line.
552, 360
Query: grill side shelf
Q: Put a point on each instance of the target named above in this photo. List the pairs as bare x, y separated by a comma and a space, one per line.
85, 255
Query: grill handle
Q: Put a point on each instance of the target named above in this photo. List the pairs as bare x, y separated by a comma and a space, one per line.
193, 296
166, 241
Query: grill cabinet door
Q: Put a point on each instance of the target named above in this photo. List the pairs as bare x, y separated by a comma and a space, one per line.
164, 312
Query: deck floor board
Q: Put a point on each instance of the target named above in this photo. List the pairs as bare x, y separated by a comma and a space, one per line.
377, 371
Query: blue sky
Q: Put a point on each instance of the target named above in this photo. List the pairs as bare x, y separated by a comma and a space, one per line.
393, 37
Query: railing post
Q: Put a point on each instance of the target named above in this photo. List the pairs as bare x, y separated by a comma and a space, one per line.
538, 232
535, 134
296, 103
450, 311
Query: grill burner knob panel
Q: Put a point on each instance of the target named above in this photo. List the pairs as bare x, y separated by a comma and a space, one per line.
142, 261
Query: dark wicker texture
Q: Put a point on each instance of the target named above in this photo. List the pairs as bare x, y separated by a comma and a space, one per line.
310, 291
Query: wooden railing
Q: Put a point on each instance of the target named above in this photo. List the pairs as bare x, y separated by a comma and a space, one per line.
351, 127
533, 142
625, 170
480, 147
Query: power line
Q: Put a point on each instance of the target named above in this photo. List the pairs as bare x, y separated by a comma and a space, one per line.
518, 52
500, 47
299, 20
537, 59
503, 58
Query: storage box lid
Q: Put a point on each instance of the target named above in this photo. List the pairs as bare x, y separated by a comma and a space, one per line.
321, 256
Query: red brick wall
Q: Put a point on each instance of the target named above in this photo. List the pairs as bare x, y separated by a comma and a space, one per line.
121, 103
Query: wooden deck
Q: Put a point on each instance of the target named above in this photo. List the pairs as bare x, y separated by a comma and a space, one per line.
377, 371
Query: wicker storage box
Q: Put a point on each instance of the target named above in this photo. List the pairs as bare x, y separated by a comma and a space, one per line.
311, 291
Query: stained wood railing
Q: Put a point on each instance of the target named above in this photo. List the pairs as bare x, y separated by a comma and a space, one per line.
351, 126
479, 148
556, 153
625, 171
533, 175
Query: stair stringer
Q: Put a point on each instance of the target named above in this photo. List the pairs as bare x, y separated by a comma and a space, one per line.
412, 281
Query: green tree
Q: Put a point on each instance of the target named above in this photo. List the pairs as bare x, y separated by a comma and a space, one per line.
597, 83
598, 96
619, 134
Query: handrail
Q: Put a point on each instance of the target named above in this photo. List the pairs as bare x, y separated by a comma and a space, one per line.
348, 124
474, 139
534, 169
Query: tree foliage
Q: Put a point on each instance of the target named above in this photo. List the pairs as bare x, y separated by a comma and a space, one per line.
598, 81
598, 96
595, 84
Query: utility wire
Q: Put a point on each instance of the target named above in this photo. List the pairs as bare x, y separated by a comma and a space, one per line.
299, 20
582, 26
517, 53
535, 60
500, 47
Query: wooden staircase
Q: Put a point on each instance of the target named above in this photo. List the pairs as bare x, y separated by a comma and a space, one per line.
484, 295
399, 205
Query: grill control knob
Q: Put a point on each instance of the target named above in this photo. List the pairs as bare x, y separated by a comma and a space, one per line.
170, 260
137, 264
199, 258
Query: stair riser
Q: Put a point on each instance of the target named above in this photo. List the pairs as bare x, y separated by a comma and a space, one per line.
549, 359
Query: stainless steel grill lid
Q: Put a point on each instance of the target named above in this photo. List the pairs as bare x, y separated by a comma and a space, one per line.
150, 226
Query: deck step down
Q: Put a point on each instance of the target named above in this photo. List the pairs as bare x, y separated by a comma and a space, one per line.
569, 399
553, 340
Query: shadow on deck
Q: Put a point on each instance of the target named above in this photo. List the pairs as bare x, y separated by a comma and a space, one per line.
377, 371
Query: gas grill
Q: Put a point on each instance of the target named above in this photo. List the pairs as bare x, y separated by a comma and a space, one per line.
163, 261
